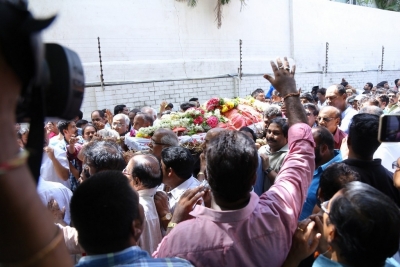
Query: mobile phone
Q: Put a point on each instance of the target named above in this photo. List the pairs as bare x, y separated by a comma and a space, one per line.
389, 128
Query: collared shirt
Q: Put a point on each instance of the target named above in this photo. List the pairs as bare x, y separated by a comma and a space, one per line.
53, 190
311, 199
323, 261
338, 137
388, 152
347, 117
132, 256
47, 170
151, 235
392, 109
175, 194
259, 234
275, 161
321, 105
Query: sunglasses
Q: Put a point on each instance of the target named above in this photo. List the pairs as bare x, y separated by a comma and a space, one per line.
324, 119
395, 165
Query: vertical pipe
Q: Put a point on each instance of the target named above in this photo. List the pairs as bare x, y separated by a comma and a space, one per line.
101, 65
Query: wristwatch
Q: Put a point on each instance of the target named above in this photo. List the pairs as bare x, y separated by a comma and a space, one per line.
167, 217
171, 225
267, 171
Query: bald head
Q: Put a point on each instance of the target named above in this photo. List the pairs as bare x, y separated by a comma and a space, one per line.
329, 117
145, 170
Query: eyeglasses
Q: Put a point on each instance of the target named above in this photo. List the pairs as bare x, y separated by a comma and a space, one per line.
324, 207
308, 114
119, 125
325, 119
390, 96
395, 165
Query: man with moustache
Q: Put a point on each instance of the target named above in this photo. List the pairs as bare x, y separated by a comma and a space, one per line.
325, 155
276, 149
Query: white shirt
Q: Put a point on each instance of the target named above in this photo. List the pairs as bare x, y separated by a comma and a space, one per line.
52, 190
47, 170
388, 152
347, 117
151, 235
321, 105
175, 194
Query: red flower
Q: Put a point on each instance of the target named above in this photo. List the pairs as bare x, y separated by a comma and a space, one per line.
212, 104
212, 121
198, 120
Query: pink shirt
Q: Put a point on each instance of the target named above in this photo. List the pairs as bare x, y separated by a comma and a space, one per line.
259, 234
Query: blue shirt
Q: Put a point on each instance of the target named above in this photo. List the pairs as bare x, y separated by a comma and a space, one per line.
132, 256
259, 185
311, 199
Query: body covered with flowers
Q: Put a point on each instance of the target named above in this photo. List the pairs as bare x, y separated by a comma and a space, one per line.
216, 112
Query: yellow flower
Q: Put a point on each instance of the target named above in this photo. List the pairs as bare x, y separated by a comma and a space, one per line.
224, 108
230, 104
139, 135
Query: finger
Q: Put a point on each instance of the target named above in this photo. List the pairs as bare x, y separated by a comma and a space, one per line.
279, 61
315, 241
286, 63
293, 71
269, 78
192, 201
318, 222
190, 193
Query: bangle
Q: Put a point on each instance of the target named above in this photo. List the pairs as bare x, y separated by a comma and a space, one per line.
200, 173
43, 252
268, 171
291, 94
14, 163
171, 225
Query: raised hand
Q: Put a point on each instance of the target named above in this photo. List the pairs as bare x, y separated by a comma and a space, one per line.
284, 81
186, 203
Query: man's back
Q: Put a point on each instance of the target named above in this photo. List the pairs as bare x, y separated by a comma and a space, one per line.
259, 234
374, 174
132, 256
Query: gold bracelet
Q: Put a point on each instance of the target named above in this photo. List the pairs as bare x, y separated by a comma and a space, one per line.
43, 252
14, 163
291, 94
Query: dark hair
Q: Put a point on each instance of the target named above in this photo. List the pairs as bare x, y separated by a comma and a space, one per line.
384, 98
247, 129
256, 92
314, 90
102, 211
170, 105
370, 85
392, 91
341, 89
311, 107
282, 123
232, 160
395, 82
363, 135
325, 137
63, 125
118, 109
101, 113
179, 159
334, 178
148, 171
187, 105
135, 110
80, 114
86, 126
366, 225
381, 84
81, 122
194, 99
307, 96
104, 155
322, 91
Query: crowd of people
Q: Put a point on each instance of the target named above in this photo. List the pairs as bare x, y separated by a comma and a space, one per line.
314, 187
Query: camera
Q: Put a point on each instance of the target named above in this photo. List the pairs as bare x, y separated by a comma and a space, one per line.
389, 128
50, 74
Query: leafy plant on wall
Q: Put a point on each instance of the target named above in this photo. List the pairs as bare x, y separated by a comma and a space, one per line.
392, 5
218, 8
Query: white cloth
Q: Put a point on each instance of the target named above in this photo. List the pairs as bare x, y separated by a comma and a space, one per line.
321, 105
47, 170
151, 235
388, 152
347, 117
175, 194
52, 190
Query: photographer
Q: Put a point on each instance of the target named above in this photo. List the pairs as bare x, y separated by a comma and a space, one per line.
27, 232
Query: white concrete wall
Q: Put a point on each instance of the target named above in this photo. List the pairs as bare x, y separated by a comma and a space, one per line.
167, 40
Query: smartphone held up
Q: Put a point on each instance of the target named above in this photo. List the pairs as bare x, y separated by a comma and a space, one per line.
389, 128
